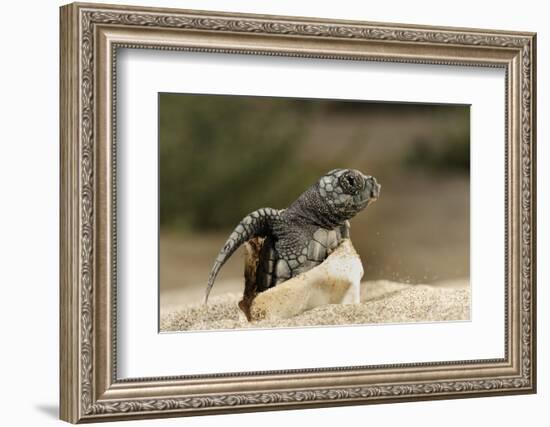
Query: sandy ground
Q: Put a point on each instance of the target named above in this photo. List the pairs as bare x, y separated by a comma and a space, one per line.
381, 302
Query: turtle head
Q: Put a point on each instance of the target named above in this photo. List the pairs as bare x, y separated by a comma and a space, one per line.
347, 192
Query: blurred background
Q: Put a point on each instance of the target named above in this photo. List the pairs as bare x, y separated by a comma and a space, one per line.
222, 157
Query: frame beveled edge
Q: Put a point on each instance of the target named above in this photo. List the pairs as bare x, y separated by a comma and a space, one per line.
89, 36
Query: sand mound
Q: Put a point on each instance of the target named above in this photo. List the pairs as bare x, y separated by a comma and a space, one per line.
382, 302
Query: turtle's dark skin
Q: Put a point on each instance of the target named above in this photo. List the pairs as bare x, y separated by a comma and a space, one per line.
303, 235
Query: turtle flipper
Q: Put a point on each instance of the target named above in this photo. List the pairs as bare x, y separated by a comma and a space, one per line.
255, 224
344, 229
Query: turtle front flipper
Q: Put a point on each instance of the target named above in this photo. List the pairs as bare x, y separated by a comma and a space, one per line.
256, 224
344, 229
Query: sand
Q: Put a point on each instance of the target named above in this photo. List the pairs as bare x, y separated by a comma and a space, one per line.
381, 302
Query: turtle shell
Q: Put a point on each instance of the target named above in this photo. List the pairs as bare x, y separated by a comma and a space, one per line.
275, 266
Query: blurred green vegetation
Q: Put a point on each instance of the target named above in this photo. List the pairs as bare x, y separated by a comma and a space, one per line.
223, 156
448, 152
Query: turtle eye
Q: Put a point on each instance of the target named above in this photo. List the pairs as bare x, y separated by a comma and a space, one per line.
351, 183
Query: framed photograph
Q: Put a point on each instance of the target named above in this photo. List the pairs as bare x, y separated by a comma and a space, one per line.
265, 212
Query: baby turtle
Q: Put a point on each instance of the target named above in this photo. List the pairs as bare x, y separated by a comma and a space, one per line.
303, 235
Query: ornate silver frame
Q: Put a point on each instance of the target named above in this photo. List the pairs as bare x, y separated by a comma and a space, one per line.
90, 36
